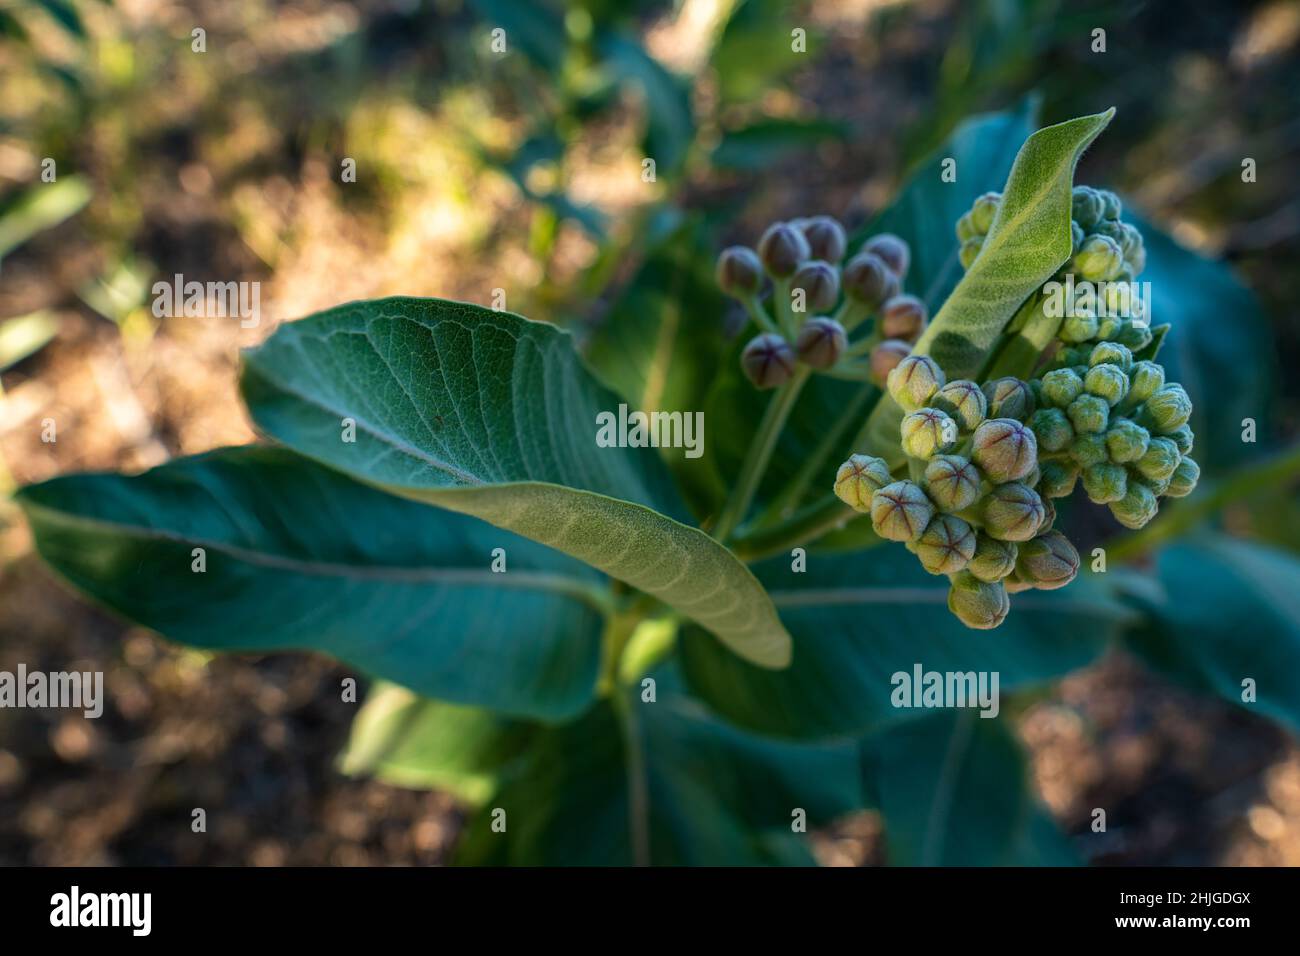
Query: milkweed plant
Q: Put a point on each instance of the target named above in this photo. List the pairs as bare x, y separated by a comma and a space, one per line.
613, 652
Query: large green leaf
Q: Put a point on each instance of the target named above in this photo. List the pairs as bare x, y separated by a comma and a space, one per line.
663, 783
298, 556
953, 791
1230, 610
857, 619
492, 415
1026, 244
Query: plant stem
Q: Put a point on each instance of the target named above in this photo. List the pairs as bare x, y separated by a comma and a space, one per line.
804, 526
760, 453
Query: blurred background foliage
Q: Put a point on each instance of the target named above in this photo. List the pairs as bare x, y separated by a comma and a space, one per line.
525, 171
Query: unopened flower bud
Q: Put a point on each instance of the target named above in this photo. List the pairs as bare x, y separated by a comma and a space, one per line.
1168, 409
900, 511
1099, 259
885, 358
969, 250
1183, 481
821, 342
965, 228
1089, 450
927, 432
1111, 207
1004, 449
1057, 478
782, 250
952, 482
1126, 440
895, 252
820, 282
1137, 507
858, 479
1158, 486
1135, 259
1183, 438
993, 560
768, 360
869, 280
1111, 353
1159, 460
1145, 380
978, 604
1077, 235
1089, 414
946, 545
964, 402
983, 211
1081, 327
1049, 514
1050, 561
1086, 207
1105, 482
914, 381
1013, 512
1134, 336
1009, 398
739, 272
1107, 382
1052, 429
1109, 327
903, 317
826, 239
1062, 386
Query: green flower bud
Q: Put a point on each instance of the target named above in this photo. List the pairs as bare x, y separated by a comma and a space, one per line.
1137, 507
739, 272
1135, 260
821, 342
977, 603
1062, 386
826, 240
1014, 583
1081, 327
1052, 429
893, 250
885, 358
1134, 336
969, 250
1004, 449
963, 401
1159, 460
1168, 409
1087, 206
1111, 353
768, 360
1145, 380
1009, 398
1077, 236
1107, 382
946, 545
1012, 512
782, 250
1057, 479
952, 482
993, 560
1126, 441
982, 213
1111, 207
820, 282
1183, 481
858, 479
966, 228
869, 280
1099, 259
1105, 482
1089, 414
1089, 450
1049, 561
900, 511
927, 432
903, 317
1183, 438
1049, 515
915, 381
1109, 328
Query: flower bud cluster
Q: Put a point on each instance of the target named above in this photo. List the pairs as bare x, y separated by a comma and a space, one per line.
818, 300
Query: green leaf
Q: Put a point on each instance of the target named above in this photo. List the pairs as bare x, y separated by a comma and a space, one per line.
534, 26
953, 791
1027, 243
412, 741
40, 208
754, 50
25, 335
1230, 610
670, 124
858, 619
758, 146
297, 556
495, 416
662, 783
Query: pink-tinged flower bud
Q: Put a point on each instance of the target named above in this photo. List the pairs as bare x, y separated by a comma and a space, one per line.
858, 479
903, 317
952, 482
1004, 449
946, 545
768, 360
869, 280
826, 239
964, 402
893, 250
739, 272
927, 432
901, 511
821, 342
993, 560
885, 358
1050, 561
820, 283
782, 250
978, 604
1012, 512
912, 383
1009, 398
